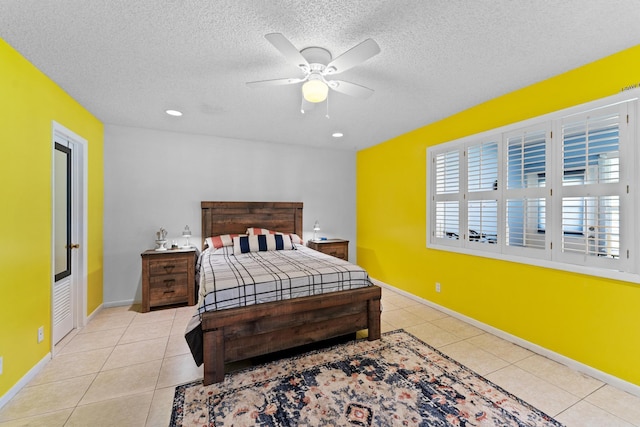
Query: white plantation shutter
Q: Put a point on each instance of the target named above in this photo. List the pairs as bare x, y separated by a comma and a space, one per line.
592, 188
600, 225
483, 221
482, 185
588, 143
526, 158
525, 224
448, 220
447, 194
526, 191
558, 190
482, 167
448, 172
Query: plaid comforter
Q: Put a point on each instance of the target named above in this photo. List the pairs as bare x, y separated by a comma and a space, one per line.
227, 281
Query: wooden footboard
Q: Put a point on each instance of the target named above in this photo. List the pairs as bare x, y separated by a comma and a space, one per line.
241, 333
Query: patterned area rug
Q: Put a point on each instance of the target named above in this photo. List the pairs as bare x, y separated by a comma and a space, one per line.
397, 380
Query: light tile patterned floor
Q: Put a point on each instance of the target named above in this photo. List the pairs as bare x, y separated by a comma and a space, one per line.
122, 368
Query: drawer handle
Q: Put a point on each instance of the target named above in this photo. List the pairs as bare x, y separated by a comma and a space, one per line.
169, 284
169, 267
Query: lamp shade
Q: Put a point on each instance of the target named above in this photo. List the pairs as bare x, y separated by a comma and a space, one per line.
315, 90
316, 228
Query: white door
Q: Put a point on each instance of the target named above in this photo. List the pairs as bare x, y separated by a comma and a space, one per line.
63, 302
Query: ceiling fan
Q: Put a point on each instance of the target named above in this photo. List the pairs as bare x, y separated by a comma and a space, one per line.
318, 67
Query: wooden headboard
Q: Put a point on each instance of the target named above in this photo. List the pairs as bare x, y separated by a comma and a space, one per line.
236, 217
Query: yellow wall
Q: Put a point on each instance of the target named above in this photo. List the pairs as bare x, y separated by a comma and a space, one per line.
592, 320
29, 101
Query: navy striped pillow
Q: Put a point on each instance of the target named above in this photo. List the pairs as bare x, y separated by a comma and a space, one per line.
261, 242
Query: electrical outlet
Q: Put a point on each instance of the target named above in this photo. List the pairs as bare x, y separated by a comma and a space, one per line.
437, 287
41, 334
0, 365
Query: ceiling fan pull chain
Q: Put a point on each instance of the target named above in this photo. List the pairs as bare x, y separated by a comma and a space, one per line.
327, 116
302, 105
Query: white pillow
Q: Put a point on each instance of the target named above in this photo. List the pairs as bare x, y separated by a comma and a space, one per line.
254, 230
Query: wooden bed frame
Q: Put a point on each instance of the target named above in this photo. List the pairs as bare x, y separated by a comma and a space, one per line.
240, 333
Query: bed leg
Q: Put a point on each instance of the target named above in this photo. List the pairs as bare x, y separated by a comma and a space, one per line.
373, 321
213, 351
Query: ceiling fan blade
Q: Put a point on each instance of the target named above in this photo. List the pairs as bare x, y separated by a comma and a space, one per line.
289, 51
274, 82
354, 56
350, 89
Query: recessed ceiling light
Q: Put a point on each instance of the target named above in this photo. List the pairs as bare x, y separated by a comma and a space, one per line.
174, 113
337, 134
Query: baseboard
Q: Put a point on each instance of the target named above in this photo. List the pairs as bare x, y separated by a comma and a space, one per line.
573, 364
24, 380
112, 304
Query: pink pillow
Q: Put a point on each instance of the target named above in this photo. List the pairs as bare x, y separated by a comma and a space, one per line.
220, 241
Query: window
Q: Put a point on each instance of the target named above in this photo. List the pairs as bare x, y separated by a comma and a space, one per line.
555, 190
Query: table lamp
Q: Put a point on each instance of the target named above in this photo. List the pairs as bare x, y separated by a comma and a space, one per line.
186, 233
316, 228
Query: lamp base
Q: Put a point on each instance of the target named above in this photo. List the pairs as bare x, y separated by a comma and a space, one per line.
161, 244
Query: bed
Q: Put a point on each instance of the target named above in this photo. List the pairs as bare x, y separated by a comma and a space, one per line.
242, 332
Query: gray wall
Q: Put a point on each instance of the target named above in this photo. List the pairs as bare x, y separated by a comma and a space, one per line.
157, 179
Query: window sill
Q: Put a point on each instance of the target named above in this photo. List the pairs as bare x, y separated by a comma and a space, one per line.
555, 265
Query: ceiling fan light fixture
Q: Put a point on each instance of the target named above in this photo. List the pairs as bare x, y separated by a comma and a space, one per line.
317, 64
315, 90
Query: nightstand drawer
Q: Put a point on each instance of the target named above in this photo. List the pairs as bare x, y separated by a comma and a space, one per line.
168, 266
337, 250
167, 288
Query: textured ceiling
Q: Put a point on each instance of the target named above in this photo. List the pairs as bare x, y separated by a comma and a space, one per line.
127, 61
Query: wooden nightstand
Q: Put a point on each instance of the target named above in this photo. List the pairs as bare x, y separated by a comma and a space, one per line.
168, 277
339, 248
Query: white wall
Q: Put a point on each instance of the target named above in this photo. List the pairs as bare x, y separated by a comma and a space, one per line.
157, 179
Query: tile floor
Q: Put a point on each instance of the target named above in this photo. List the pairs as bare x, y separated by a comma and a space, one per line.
122, 368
